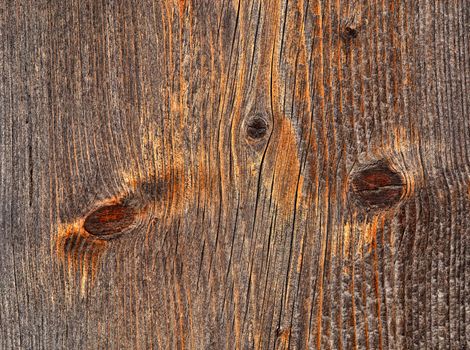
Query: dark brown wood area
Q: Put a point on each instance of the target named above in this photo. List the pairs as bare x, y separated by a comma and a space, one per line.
234, 174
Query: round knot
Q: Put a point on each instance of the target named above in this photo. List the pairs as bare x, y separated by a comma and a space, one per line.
350, 33
256, 126
378, 185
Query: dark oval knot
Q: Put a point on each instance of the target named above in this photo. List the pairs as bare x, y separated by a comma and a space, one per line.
350, 33
378, 185
109, 220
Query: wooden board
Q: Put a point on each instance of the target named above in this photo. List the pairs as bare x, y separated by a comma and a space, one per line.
234, 174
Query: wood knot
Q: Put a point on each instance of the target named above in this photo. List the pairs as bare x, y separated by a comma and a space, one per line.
108, 221
256, 126
350, 33
378, 185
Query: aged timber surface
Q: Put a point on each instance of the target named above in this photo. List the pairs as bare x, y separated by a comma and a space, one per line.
234, 174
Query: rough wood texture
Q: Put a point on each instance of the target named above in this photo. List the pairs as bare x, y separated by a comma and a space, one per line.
234, 174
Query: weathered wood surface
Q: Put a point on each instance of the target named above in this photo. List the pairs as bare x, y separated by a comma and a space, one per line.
234, 174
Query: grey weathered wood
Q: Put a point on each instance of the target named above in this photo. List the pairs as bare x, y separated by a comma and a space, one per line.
235, 148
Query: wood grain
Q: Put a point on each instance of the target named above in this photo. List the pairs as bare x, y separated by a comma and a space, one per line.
234, 174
